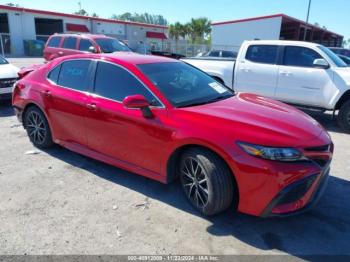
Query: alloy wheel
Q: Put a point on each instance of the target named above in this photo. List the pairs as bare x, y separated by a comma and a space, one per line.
195, 182
36, 128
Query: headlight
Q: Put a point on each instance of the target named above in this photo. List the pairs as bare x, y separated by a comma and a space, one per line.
272, 153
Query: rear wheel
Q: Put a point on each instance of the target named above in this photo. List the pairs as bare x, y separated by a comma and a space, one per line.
38, 128
207, 181
344, 117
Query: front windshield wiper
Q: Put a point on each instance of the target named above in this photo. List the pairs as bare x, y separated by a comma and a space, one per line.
213, 100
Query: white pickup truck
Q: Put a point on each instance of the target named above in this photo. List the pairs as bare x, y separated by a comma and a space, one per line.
304, 74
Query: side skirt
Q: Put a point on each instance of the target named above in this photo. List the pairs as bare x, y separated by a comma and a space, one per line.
112, 161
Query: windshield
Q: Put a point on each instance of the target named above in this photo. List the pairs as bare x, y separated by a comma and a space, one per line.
184, 85
110, 45
335, 59
3, 61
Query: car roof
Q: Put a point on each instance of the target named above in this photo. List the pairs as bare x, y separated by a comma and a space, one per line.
90, 36
124, 57
283, 42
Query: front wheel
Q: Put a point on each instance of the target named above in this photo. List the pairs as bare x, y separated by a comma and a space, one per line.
344, 117
38, 128
207, 181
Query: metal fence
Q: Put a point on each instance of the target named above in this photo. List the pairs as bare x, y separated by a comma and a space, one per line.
196, 50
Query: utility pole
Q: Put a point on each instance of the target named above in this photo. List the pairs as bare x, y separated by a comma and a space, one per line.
307, 19
79, 3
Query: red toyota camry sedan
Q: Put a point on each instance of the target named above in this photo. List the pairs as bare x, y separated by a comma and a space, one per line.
166, 120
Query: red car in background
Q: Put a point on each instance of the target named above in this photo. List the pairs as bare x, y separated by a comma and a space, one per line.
72, 44
164, 119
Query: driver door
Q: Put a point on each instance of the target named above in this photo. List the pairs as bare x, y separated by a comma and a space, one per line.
121, 133
299, 82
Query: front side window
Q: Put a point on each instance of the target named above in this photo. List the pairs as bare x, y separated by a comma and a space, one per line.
70, 43
300, 56
184, 85
54, 41
116, 83
266, 54
85, 45
73, 74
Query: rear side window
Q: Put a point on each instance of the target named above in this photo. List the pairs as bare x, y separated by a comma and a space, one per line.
299, 56
266, 54
116, 83
53, 75
54, 41
70, 43
214, 53
85, 45
73, 74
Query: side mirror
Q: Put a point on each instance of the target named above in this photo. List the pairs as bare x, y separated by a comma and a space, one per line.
321, 63
138, 102
92, 49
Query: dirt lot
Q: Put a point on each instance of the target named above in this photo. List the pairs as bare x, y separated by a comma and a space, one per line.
59, 202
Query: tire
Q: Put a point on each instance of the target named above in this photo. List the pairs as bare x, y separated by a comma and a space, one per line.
213, 190
344, 117
37, 128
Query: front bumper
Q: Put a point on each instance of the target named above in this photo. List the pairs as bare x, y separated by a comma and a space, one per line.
299, 196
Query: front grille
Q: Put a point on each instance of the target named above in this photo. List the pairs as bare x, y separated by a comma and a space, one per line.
7, 82
296, 191
325, 148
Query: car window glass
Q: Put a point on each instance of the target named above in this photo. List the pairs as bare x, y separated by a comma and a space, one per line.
53, 75
54, 41
300, 56
117, 83
184, 85
227, 54
73, 74
266, 54
85, 45
214, 53
70, 42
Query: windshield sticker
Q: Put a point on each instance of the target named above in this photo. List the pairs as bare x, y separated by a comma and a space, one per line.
218, 88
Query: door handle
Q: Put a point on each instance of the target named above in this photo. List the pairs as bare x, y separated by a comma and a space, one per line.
46, 93
60, 53
92, 107
286, 73
247, 70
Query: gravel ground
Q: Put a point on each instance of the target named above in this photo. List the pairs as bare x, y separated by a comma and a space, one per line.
59, 202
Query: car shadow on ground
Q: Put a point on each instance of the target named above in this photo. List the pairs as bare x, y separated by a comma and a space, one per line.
6, 109
322, 230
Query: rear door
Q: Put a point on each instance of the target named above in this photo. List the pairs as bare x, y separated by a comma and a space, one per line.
66, 100
257, 71
52, 48
69, 46
299, 82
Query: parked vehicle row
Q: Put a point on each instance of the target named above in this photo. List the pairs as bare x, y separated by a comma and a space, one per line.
164, 119
304, 74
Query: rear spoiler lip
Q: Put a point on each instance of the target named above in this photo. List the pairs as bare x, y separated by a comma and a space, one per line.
27, 70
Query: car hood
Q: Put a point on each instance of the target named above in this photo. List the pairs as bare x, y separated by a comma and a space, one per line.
343, 73
8, 71
255, 119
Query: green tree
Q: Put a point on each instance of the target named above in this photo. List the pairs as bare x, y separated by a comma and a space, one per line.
199, 29
141, 18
